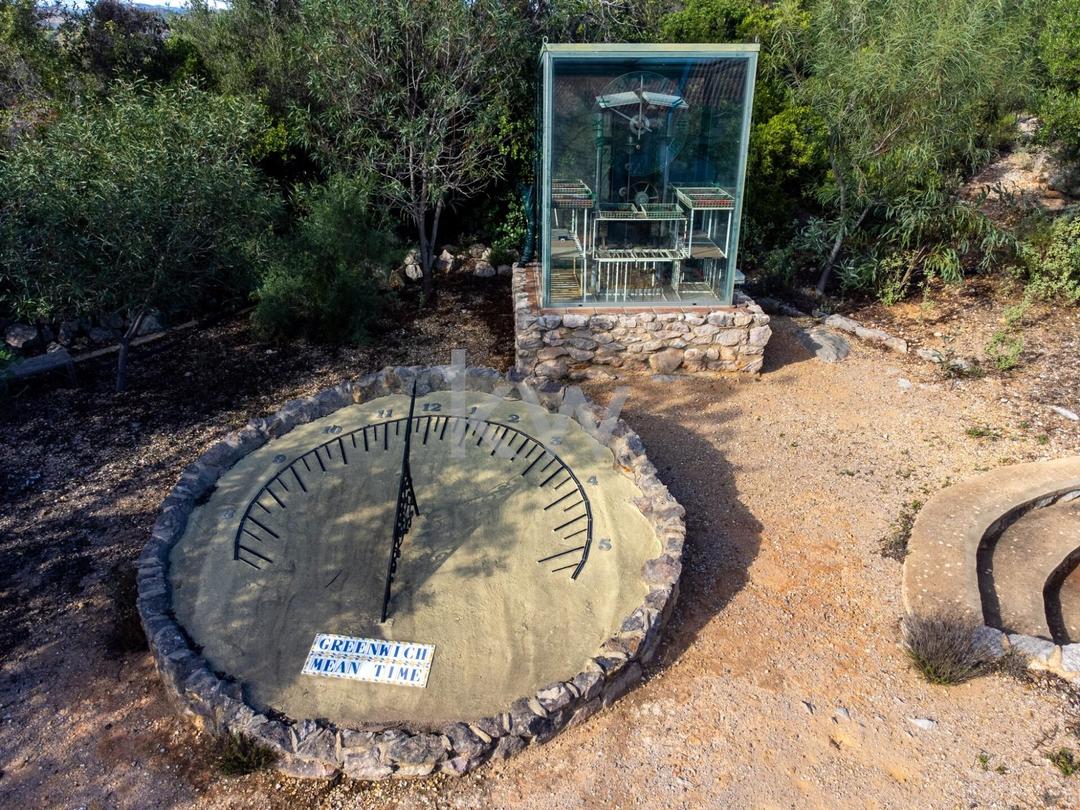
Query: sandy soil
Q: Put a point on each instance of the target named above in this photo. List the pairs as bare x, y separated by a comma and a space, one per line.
781, 683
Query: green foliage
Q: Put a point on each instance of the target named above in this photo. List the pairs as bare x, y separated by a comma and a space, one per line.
251, 49
238, 754
325, 281
786, 161
1004, 350
145, 200
1059, 57
905, 99
1065, 761
113, 39
1054, 269
413, 94
598, 20
705, 21
31, 68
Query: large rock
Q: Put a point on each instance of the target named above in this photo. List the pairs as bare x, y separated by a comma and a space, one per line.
827, 347
21, 336
445, 262
666, 361
483, 269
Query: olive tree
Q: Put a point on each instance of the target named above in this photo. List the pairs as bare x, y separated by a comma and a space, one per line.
412, 92
146, 200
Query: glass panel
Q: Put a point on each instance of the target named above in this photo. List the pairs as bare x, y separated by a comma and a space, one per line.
643, 164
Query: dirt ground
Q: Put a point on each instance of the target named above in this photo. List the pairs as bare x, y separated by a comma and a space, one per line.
781, 683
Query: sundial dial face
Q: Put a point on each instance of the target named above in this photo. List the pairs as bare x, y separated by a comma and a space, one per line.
525, 556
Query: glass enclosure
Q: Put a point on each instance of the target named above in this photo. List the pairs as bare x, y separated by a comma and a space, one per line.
643, 156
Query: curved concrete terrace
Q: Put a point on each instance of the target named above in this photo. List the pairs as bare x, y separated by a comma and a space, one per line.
950, 562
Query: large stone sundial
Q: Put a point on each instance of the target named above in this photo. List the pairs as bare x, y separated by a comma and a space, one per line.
429, 573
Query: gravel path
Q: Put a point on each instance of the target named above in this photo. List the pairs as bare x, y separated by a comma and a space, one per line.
781, 684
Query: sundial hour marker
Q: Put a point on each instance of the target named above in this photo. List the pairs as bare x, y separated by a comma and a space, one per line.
499, 441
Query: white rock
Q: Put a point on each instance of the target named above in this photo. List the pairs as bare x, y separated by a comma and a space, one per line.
904, 384
922, 723
1065, 412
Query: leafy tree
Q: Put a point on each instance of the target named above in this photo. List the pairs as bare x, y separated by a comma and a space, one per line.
31, 68
252, 48
323, 282
1059, 58
411, 93
786, 160
595, 20
706, 21
113, 39
905, 93
144, 200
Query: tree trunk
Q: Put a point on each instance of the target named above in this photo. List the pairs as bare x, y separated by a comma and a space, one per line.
122, 356
428, 240
826, 271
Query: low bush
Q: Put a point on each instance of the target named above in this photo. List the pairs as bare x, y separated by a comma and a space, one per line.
239, 754
326, 282
944, 648
1065, 761
1054, 269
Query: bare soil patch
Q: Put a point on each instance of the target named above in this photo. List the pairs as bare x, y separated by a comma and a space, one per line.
782, 682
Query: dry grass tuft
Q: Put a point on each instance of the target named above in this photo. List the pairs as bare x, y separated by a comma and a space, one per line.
944, 648
239, 754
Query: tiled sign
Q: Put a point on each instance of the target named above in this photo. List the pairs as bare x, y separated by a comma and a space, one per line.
401, 663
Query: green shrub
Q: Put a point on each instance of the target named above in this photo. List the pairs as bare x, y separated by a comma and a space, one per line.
944, 648
1054, 270
1004, 350
1065, 761
144, 200
1059, 54
325, 284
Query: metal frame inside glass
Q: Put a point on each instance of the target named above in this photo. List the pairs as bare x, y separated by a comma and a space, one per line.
642, 168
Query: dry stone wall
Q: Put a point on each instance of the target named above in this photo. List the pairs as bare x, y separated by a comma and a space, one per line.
579, 342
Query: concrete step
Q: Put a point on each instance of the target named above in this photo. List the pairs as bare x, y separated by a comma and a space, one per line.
1069, 599
1024, 557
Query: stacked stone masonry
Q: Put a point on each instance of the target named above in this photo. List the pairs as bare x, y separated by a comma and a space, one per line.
557, 344
318, 749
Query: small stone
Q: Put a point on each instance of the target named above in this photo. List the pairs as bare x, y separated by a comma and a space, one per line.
841, 713
904, 384
1037, 650
1070, 658
414, 272
445, 262
666, 361
922, 723
483, 269
1065, 412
